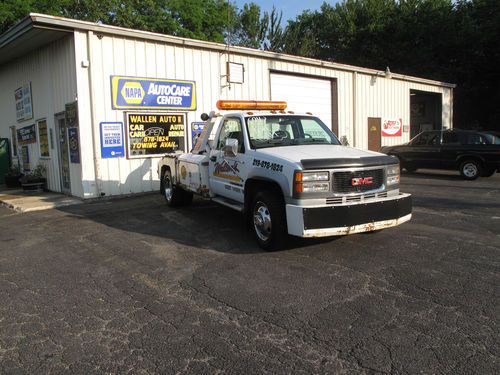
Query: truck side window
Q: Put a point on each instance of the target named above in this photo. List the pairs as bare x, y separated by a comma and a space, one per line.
231, 129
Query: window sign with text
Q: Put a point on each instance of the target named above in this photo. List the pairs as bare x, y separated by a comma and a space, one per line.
112, 142
24, 105
26, 135
151, 134
43, 137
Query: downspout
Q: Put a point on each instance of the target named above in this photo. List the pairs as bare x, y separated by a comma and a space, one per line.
97, 176
354, 109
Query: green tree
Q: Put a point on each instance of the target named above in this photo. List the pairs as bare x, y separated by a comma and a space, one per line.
252, 28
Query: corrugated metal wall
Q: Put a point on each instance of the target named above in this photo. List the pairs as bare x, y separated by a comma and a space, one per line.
51, 71
376, 96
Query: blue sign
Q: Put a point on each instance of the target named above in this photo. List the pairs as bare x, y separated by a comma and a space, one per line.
74, 145
112, 145
145, 93
196, 129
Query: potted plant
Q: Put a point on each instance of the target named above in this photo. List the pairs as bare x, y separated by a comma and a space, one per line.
34, 180
13, 176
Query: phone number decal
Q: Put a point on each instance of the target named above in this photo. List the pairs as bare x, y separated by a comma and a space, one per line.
268, 165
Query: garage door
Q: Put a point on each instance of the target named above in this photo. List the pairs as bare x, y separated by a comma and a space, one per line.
304, 94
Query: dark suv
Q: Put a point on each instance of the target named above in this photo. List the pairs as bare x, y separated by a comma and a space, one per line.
472, 153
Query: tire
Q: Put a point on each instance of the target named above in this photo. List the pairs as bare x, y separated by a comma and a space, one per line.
174, 196
268, 220
470, 169
409, 168
488, 172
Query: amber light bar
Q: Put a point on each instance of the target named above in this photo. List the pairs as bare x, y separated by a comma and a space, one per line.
251, 104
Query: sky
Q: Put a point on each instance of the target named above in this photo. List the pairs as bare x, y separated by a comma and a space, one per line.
290, 8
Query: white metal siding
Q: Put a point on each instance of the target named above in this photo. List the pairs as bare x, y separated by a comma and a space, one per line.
51, 71
304, 94
378, 96
116, 55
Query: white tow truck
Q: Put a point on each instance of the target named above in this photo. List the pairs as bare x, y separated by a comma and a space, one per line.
288, 172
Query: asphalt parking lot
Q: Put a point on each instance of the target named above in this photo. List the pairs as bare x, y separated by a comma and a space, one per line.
131, 286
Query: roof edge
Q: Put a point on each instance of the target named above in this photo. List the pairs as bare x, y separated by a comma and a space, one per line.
16, 31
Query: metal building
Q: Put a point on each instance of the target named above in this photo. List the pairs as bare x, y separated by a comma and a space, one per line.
95, 104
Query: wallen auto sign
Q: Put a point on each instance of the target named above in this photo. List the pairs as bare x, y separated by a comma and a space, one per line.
392, 127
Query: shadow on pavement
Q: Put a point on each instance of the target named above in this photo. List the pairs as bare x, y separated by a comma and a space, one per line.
203, 224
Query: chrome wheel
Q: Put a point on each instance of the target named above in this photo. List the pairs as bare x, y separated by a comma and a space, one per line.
167, 188
262, 221
470, 170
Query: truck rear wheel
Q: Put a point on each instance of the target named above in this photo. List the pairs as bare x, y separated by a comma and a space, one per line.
269, 220
174, 196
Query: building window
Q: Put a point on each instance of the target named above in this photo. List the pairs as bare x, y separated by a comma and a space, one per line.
43, 138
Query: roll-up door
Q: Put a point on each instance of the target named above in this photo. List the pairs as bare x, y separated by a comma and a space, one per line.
305, 94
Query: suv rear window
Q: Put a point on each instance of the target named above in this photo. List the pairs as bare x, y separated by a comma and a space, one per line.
475, 139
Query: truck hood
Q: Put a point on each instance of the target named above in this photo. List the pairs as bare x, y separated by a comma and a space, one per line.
328, 156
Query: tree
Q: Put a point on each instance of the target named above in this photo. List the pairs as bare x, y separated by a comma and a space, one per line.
448, 40
252, 28
275, 38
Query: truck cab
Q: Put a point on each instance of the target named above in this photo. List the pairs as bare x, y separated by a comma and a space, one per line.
288, 172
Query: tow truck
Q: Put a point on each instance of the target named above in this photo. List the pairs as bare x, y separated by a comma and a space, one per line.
287, 172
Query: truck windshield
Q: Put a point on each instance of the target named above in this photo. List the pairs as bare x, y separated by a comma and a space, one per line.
282, 130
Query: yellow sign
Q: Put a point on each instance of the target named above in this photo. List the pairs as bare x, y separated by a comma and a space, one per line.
132, 92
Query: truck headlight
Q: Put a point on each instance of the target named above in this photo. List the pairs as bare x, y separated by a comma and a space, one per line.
393, 174
311, 182
315, 187
315, 176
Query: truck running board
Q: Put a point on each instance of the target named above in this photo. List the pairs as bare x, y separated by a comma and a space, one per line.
229, 203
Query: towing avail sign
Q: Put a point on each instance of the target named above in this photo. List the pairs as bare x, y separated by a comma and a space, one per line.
151, 134
145, 93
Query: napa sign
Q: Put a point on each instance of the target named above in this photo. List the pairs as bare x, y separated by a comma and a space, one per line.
145, 93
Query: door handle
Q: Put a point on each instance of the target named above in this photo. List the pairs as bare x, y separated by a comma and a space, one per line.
213, 158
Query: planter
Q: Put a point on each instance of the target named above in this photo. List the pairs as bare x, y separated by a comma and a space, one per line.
12, 181
34, 184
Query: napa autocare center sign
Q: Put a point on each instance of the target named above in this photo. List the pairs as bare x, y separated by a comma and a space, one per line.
146, 93
155, 134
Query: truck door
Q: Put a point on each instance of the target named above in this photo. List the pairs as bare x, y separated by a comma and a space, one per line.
227, 172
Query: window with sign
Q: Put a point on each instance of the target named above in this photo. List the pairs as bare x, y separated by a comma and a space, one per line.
43, 138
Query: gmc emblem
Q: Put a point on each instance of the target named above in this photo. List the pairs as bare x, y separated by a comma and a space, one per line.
356, 181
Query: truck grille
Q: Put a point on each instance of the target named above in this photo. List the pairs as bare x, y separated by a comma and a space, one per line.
343, 181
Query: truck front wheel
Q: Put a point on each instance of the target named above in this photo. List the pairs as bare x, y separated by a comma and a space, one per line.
269, 220
174, 196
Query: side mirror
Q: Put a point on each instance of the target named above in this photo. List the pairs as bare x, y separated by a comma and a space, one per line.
204, 117
231, 147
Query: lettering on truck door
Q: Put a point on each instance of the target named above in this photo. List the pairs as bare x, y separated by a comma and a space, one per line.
227, 173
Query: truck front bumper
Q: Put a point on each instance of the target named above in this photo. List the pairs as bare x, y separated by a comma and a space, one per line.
326, 221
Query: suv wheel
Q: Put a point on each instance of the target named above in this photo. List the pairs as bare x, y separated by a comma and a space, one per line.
269, 220
470, 169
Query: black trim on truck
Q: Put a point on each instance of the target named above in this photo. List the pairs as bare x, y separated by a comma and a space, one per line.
368, 161
347, 216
